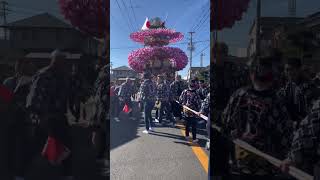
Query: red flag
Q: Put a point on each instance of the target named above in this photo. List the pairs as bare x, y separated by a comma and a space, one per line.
126, 109
54, 151
5, 94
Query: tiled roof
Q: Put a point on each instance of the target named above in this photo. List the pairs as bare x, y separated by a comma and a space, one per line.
122, 68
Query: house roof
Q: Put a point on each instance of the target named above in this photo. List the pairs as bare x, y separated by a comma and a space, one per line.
312, 19
122, 68
44, 20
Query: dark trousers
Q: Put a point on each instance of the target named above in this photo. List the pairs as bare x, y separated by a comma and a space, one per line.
115, 106
165, 108
74, 105
101, 144
157, 113
191, 122
176, 109
148, 106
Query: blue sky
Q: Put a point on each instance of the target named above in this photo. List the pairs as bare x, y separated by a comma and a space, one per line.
183, 15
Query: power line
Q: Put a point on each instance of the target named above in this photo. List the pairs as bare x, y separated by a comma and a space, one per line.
201, 22
199, 29
123, 15
127, 12
115, 21
201, 16
134, 14
202, 50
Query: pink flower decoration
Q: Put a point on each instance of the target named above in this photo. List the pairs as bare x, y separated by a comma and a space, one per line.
140, 57
228, 12
89, 16
171, 35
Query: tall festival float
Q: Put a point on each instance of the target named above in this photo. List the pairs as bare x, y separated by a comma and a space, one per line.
156, 57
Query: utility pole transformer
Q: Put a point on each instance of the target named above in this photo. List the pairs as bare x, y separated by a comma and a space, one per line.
201, 59
292, 8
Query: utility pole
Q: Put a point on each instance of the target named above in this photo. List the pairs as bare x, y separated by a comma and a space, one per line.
191, 48
201, 59
258, 27
292, 6
4, 16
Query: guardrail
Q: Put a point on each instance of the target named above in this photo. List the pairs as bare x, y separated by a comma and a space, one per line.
293, 171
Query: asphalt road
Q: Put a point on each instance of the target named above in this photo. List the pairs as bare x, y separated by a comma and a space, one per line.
160, 155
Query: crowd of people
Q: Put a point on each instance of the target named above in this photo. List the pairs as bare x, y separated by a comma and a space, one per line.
277, 113
167, 96
34, 113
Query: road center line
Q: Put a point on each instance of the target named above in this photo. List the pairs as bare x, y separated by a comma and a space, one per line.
197, 150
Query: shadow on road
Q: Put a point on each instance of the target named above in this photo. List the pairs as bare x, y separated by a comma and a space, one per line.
125, 130
167, 135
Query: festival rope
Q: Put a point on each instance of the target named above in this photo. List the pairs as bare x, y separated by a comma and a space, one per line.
293, 171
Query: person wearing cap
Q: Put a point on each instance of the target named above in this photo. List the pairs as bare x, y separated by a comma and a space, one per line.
47, 101
190, 98
256, 115
148, 92
125, 93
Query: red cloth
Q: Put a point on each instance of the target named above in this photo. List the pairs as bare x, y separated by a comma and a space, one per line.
5, 94
54, 151
126, 108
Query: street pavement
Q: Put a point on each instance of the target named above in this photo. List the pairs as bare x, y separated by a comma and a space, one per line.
160, 155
